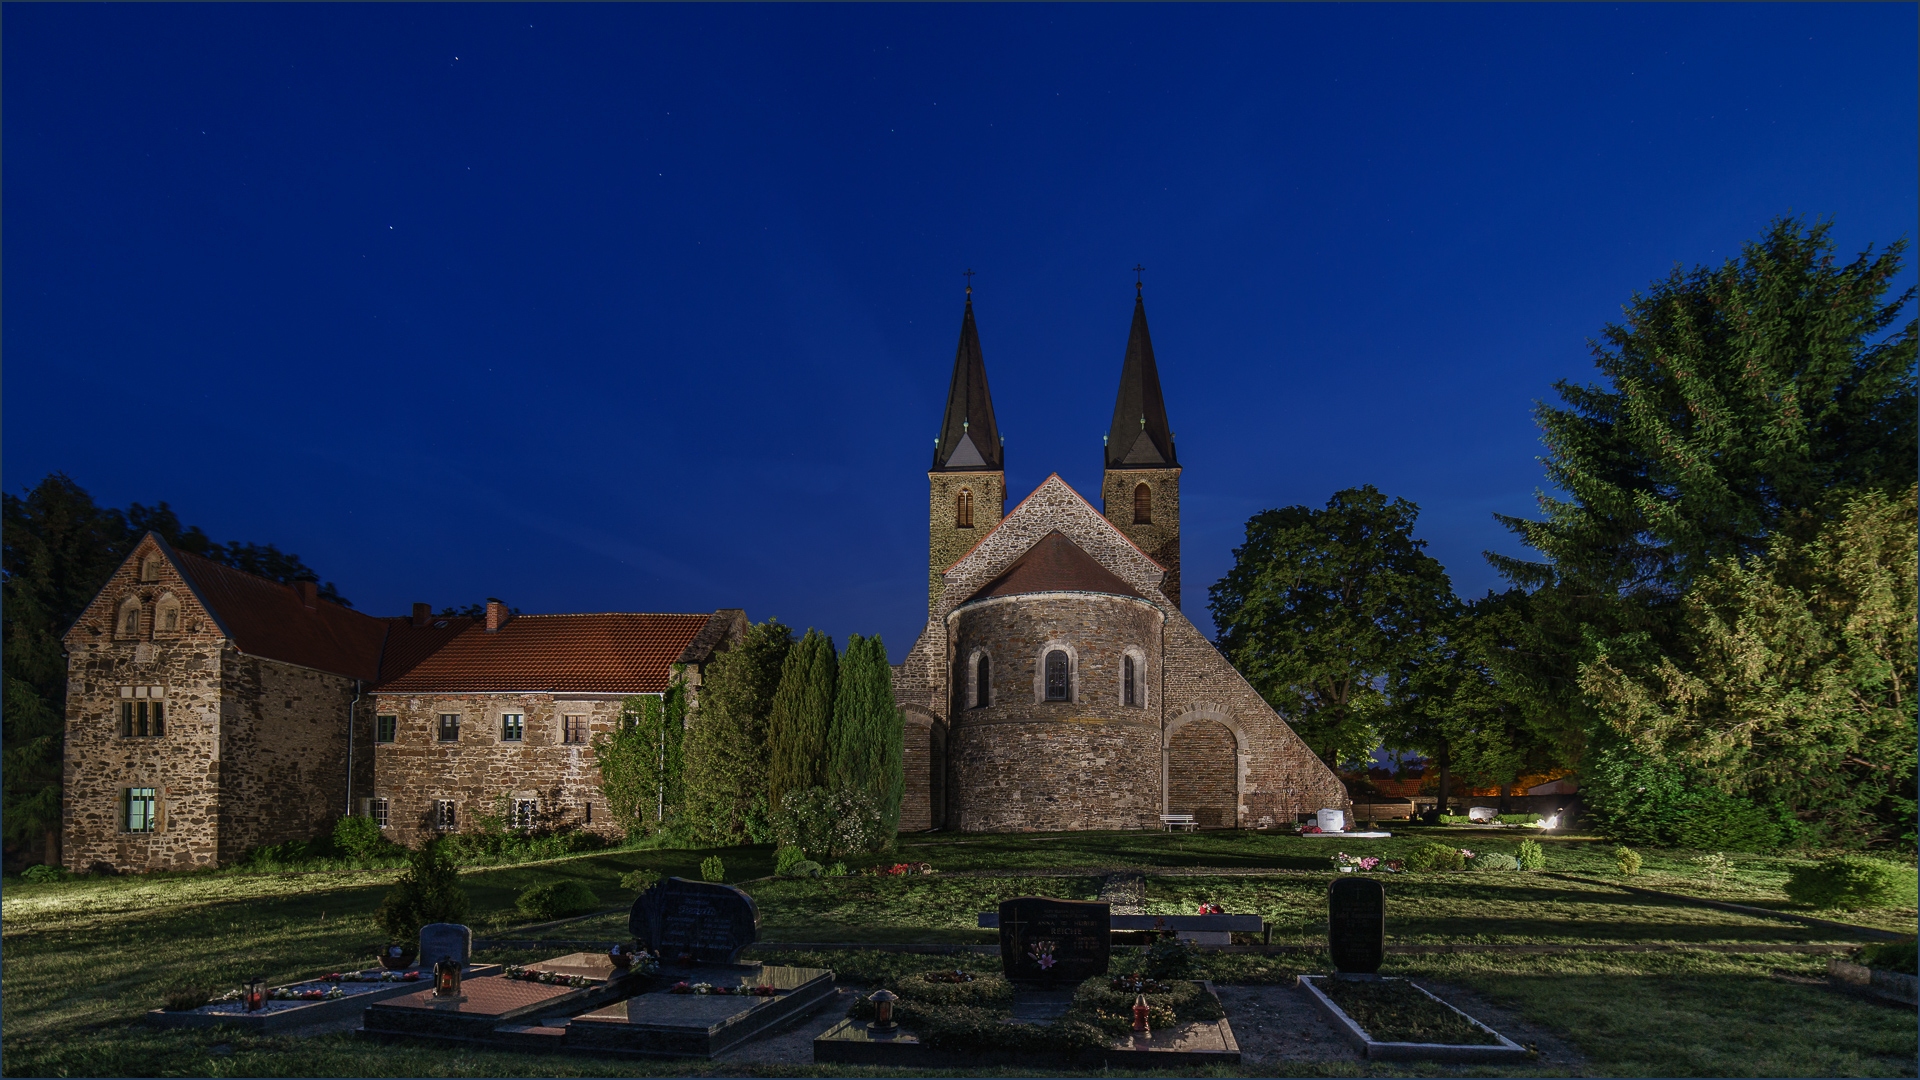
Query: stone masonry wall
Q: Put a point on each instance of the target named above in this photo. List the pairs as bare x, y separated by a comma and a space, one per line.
480, 768
183, 765
946, 542
1202, 774
1161, 538
283, 749
920, 758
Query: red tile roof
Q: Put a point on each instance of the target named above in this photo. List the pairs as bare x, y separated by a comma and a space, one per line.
614, 653
1055, 564
408, 645
266, 618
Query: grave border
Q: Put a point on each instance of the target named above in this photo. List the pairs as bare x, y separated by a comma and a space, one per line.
1376, 1050
306, 1012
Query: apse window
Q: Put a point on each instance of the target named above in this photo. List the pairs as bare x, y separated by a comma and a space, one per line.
1128, 695
1059, 685
982, 683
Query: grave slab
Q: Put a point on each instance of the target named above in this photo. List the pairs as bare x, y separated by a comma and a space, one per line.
666, 1024
485, 1004
284, 1015
1505, 1050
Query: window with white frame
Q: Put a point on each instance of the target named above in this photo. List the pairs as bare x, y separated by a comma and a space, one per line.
513, 727
137, 809
143, 712
443, 818
380, 812
449, 727
526, 812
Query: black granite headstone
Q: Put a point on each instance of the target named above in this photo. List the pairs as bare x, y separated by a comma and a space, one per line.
1357, 924
695, 922
1052, 941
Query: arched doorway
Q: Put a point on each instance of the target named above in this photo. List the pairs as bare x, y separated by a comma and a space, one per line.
1203, 766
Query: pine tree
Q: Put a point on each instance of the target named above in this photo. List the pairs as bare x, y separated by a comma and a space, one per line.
726, 765
801, 716
865, 744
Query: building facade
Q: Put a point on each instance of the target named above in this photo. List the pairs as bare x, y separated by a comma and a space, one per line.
1057, 685
210, 711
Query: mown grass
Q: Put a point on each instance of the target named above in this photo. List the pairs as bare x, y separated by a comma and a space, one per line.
85, 958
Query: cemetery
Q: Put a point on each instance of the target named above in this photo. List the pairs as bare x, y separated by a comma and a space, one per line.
1238, 952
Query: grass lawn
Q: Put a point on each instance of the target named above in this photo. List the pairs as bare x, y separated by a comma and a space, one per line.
84, 958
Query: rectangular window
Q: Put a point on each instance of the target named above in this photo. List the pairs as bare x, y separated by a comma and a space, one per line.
379, 814
513, 727
443, 814
143, 715
449, 727
138, 814
573, 729
385, 728
525, 813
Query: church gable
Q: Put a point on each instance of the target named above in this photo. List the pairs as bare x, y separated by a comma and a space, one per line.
1053, 507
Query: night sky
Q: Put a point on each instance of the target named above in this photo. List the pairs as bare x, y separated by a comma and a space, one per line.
653, 308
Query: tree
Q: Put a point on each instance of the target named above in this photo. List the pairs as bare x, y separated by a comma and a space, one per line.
1738, 404
1801, 683
59, 550
1322, 608
865, 742
642, 762
726, 749
801, 716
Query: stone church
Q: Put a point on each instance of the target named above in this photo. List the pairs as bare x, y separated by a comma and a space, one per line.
1057, 685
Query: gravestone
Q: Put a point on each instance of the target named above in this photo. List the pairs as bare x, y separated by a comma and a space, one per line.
695, 922
445, 941
1054, 941
1483, 815
1331, 820
1357, 924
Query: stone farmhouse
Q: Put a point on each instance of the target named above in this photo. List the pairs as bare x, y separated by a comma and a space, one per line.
1057, 684
210, 711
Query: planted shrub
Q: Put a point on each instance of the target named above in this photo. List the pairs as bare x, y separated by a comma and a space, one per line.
185, 998
788, 857
1900, 956
712, 869
361, 838
1436, 856
1170, 958
1495, 860
1627, 860
44, 873
1853, 881
639, 880
429, 892
557, 900
807, 868
838, 869
1532, 855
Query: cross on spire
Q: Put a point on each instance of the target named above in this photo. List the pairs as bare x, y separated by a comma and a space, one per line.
968, 274
1137, 271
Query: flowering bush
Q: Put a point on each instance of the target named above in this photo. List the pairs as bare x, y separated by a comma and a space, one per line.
1212, 909
549, 977
1357, 862
902, 869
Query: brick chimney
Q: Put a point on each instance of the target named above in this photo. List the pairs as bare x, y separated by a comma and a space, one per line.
422, 614
309, 592
496, 614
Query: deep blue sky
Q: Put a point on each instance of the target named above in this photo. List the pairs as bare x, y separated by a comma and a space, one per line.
653, 308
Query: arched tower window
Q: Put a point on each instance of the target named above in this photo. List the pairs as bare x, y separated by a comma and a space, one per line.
1128, 695
1142, 504
963, 509
983, 682
166, 616
1059, 684
128, 623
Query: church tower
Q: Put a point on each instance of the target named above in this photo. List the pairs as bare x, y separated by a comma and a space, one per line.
967, 486
1140, 492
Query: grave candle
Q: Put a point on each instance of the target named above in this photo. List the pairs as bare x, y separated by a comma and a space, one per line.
446, 978
1140, 1013
253, 993
883, 1010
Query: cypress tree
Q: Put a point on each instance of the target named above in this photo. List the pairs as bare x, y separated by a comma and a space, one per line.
866, 739
726, 751
802, 714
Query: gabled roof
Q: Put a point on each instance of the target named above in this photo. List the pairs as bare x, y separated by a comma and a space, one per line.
1139, 437
1055, 564
613, 653
268, 619
969, 439
409, 644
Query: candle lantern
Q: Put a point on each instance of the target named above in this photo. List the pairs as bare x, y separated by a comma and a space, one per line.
253, 993
446, 978
883, 1010
1140, 1012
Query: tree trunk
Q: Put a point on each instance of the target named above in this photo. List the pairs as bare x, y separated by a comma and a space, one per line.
1445, 762
53, 847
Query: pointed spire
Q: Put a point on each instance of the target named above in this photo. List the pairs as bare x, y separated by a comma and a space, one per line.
969, 439
1139, 437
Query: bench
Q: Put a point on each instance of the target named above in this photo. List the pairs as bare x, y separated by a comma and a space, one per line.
1200, 929
1179, 821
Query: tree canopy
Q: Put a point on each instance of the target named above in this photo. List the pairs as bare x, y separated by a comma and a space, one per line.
726, 762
